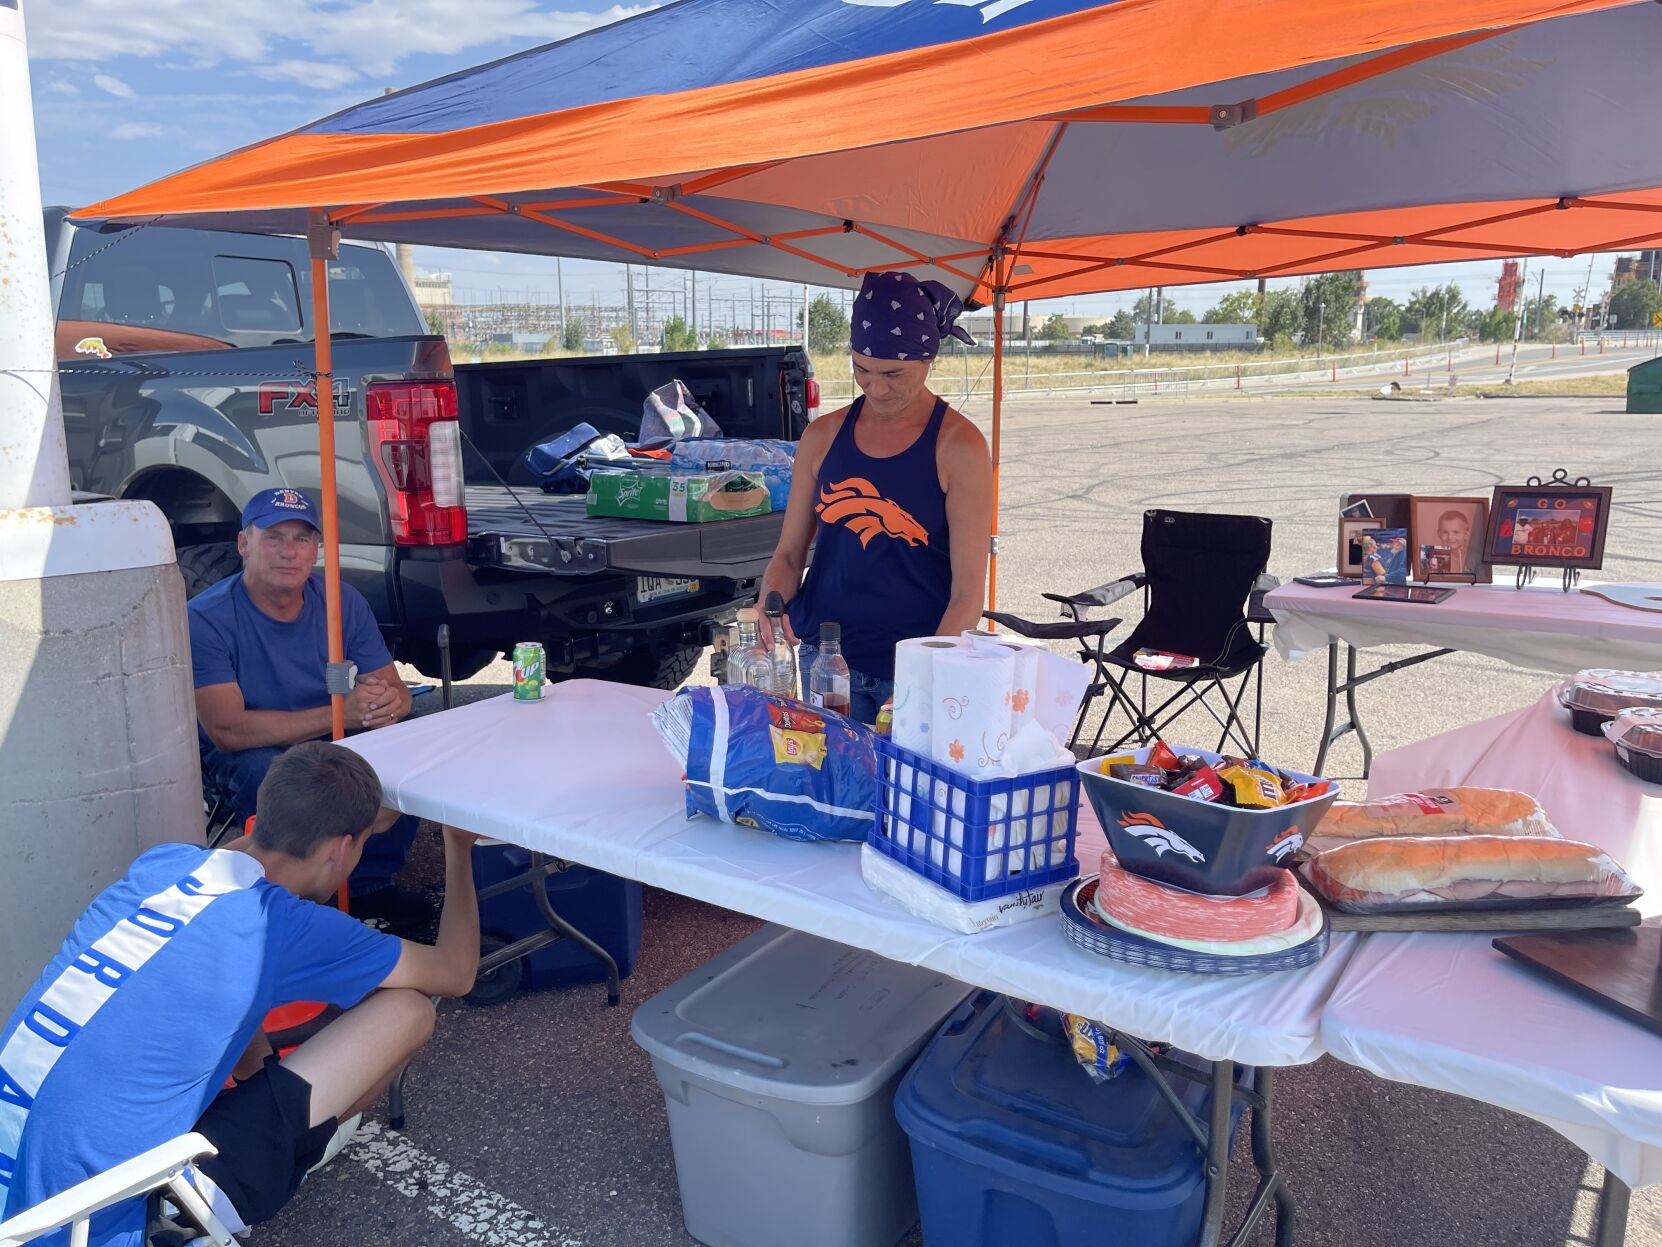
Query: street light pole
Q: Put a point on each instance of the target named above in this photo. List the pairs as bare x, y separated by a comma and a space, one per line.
1321, 326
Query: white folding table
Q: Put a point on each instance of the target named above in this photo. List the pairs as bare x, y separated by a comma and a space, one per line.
583, 776
1452, 1013
1534, 627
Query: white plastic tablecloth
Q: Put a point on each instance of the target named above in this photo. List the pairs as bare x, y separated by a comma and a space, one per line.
1449, 1012
584, 776
1536, 627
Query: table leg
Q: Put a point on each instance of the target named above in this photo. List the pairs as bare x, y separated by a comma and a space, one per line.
1217, 1152
1332, 706
1354, 715
539, 893
1613, 1198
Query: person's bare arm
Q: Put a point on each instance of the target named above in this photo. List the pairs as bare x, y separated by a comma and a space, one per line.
448, 966
966, 468
231, 726
790, 556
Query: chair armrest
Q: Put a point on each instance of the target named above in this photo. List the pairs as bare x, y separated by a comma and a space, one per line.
1257, 612
1102, 595
1059, 630
146, 1172
1266, 582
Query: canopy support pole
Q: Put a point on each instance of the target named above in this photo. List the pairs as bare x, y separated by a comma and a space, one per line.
323, 241
998, 427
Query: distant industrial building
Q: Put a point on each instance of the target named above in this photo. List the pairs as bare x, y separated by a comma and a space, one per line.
1197, 337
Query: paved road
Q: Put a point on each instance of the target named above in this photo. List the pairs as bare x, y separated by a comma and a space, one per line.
538, 1122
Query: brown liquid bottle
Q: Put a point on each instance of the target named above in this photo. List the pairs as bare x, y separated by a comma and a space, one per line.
828, 679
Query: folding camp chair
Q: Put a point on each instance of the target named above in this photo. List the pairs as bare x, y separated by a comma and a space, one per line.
1203, 582
161, 1168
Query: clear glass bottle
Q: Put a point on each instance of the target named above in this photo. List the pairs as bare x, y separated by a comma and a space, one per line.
782, 655
747, 662
828, 681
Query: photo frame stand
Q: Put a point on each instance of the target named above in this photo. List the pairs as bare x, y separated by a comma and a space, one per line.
1560, 479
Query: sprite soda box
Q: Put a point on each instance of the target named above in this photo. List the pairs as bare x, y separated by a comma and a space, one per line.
529, 671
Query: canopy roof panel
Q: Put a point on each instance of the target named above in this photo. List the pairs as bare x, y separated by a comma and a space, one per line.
1112, 145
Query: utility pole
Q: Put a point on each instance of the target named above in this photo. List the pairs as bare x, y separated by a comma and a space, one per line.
805, 306
560, 287
1517, 328
1540, 299
1321, 326
693, 306
629, 278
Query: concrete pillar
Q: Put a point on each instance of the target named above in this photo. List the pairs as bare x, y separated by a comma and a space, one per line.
98, 753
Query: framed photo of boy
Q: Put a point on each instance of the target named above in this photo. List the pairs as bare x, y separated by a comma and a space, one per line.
1548, 526
1448, 539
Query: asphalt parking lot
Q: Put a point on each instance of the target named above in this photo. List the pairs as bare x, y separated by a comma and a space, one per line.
538, 1122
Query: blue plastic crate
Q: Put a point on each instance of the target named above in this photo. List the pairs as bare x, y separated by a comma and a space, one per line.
1013, 1144
977, 838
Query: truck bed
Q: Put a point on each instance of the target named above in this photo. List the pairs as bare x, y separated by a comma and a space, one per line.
526, 530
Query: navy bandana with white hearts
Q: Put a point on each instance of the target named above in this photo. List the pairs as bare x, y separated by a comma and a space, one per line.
896, 316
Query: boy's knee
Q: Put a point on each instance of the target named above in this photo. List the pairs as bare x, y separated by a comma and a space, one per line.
411, 1012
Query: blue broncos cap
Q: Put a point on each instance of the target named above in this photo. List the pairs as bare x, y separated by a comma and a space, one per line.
273, 506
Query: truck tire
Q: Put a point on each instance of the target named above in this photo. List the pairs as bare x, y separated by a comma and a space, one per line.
648, 670
205, 566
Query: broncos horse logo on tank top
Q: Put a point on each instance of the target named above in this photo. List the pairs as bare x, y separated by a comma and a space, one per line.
859, 506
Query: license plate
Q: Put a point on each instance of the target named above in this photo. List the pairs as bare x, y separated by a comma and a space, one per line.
657, 588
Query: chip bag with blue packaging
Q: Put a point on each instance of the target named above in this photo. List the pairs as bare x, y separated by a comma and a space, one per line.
772, 763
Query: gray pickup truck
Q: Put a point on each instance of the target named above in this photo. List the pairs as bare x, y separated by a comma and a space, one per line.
184, 355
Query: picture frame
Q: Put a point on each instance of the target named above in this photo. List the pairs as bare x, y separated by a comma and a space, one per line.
1387, 510
1562, 526
1349, 559
1449, 537
1385, 556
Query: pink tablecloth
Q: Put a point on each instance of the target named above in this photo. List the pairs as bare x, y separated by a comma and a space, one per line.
1449, 1012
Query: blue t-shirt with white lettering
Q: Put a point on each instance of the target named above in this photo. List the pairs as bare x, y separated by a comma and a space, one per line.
279, 665
135, 1025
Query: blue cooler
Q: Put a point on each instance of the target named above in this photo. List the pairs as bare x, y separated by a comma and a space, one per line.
1013, 1143
603, 907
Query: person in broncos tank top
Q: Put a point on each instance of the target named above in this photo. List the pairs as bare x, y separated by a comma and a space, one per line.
894, 493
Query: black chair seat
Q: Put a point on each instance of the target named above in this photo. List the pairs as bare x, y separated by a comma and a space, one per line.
1059, 630
1243, 657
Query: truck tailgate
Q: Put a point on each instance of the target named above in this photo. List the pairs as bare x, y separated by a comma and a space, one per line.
526, 530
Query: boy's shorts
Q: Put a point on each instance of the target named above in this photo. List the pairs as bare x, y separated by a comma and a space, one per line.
267, 1144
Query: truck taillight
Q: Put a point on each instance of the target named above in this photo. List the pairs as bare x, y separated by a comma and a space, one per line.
811, 388
417, 447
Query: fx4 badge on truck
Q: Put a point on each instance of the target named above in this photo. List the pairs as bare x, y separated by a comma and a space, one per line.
299, 395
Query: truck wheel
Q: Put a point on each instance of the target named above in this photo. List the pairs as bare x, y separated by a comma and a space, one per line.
649, 670
205, 566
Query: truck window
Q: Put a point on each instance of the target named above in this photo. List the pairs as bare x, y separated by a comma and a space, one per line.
256, 294
367, 296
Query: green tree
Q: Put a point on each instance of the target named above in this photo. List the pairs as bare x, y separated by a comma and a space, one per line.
1140, 310
574, 335
677, 337
1632, 304
498, 350
1097, 329
1383, 319
624, 339
1055, 329
1123, 326
1539, 319
827, 326
1283, 318
1497, 326
1330, 301
1184, 317
1436, 312
435, 322
1238, 307
716, 344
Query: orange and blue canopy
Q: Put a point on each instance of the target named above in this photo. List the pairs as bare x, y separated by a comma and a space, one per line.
1051, 147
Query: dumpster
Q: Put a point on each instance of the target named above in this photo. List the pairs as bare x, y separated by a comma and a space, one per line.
1644, 387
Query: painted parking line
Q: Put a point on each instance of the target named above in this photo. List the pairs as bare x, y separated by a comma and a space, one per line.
449, 1194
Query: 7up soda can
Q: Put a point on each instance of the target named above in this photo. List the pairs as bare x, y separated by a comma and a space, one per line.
528, 671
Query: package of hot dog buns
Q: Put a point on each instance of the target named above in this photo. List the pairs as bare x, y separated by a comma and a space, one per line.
1415, 874
1432, 812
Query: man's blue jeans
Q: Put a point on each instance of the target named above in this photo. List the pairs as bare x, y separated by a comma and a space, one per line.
239, 774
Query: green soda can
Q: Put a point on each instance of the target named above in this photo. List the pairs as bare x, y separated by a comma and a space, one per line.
529, 666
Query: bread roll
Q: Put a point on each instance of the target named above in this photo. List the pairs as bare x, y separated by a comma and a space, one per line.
1417, 870
1433, 812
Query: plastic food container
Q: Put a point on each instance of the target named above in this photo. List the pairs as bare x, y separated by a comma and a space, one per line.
1203, 846
1596, 696
1637, 735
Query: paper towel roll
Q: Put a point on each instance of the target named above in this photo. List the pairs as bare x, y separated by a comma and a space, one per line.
1061, 687
914, 684
971, 731
1024, 689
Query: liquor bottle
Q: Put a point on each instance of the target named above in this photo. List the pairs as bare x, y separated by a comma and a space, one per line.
748, 663
783, 656
828, 681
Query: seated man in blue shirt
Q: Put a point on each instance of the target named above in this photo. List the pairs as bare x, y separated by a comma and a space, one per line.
259, 650
127, 1037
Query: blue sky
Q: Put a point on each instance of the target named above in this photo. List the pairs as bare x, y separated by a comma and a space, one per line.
127, 92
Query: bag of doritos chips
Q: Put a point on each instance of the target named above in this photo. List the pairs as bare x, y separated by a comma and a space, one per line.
772, 763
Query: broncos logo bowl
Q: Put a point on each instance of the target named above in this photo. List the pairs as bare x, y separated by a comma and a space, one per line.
1152, 832
859, 507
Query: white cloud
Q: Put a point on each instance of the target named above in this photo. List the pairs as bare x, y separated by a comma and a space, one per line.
327, 75
114, 86
380, 33
129, 130
61, 86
